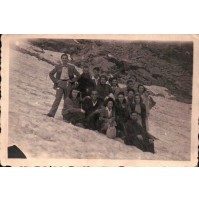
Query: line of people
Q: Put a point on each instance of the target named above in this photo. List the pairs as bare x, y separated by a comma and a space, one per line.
98, 103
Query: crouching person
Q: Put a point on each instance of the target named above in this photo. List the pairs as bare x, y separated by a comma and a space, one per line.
137, 136
107, 122
92, 105
72, 112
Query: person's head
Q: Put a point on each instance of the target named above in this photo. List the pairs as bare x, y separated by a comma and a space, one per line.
131, 94
109, 103
138, 99
134, 116
64, 58
96, 72
85, 69
114, 82
147, 92
94, 95
120, 97
141, 89
74, 93
103, 79
131, 82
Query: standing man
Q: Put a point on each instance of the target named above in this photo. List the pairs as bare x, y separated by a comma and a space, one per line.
131, 84
96, 76
66, 75
104, 90
85, 83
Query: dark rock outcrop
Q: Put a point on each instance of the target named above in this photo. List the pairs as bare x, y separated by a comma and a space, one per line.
153, 63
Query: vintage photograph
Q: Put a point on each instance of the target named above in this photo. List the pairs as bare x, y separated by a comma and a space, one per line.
99, 100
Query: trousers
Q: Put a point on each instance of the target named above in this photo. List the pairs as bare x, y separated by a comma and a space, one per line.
60, 92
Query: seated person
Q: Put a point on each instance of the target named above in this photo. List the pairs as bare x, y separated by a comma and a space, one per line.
107, 116
85, 83
131, 84
103, 89
72, 111
91, 106
137, 136
122, 113
114, 86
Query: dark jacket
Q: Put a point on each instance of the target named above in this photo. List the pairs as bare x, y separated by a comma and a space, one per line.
130, 103
55, 74
85, 84
103, 90
122, 111
132, 130
94, 82
142, 114
88, 106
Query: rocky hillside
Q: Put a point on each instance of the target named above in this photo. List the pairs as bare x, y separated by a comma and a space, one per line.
153, 63
38, 136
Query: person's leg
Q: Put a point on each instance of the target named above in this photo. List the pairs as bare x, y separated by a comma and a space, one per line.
92, 121
139, 144
55, 105
147, 123
128, 140
68, 90
149, 146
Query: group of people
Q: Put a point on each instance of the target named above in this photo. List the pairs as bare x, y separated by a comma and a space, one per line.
98, 103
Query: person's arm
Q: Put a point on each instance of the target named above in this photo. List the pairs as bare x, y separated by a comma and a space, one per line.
52, 75
143, 111
152, 103
76, 73
85, 104
67, 106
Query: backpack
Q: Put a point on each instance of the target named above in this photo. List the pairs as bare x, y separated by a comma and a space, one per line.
111, 132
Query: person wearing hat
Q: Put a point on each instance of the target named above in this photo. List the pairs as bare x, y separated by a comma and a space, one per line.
137, 136
72, 111
103, 89
63, 75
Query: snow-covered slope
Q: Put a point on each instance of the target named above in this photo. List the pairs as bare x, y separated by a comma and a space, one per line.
31, 96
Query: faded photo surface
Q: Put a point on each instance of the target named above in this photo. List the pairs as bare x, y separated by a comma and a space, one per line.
100, 100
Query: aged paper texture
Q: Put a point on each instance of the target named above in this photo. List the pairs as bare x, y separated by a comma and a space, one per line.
34, 132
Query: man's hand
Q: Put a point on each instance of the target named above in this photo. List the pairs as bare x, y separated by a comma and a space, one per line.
83, 111
140, 137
